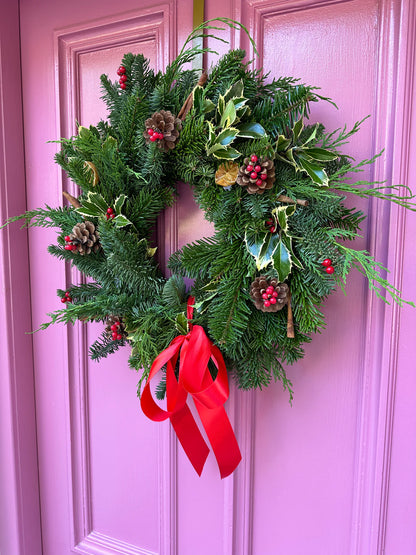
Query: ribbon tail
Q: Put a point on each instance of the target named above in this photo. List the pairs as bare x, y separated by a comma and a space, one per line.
190, 438
221, 437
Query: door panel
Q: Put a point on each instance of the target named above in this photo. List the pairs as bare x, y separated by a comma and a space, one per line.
313, 477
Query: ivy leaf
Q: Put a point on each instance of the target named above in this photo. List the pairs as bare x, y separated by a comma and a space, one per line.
282, 261
251, 130
118, 203
121, 221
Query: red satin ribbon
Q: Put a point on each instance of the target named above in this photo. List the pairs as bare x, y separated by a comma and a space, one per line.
195, 350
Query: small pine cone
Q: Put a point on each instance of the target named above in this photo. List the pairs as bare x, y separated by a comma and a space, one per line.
166, 127
115, 327
269, 295
85, 238
256, 181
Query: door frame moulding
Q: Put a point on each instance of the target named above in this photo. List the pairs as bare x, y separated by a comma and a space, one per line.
158, 24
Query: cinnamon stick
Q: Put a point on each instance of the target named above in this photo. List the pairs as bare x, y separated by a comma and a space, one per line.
284, 198
188, 102
72, 200
290, 324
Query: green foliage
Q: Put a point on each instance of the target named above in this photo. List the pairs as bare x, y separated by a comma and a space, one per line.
239, 111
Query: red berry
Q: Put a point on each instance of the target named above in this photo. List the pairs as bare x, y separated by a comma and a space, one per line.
109, 210
327, 262
269, 222
160, 135
257, 168
67, 294
273, 300
119, 336
74, 248
69, 299
259, 182
270, 290
112, 216
68, 247
123, 78
265, 296
263, 176
114, 327
153, 137
123, 86
249, 168
63, 300
254, 158
329, 270
253, 175
114, 335
121, 69
117, 324
67, 238
272, 229
108, 216
275, 294
150, 131
266, 303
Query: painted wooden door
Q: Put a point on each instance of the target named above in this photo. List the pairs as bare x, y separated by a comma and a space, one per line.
322, 478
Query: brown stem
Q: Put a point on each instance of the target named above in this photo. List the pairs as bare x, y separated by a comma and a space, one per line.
284, 198
75, 202
189, 101
290, 324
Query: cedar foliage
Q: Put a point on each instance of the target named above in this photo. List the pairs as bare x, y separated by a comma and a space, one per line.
127, 279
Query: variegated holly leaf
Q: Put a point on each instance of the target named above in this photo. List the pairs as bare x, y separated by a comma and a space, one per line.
282, 260
261, 246
118, 203
281, 215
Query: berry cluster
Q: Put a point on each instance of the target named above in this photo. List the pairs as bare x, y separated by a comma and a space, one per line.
110, 213
270, 296
69, 246
271, 225
116, 329
327, 263
66, 298
154, 135
255, 169
121, 72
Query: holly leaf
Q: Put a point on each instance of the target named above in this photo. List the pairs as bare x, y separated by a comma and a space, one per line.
227, 136
229, 115
251, 130
89, 210
261, 246
198, 99
315, 172
234, 91
297, 129
209, 106
97, 200
121, 221
118, 203
320, 154
227, 153
181, 323
282, 213
282, 261
287, 240
282, 143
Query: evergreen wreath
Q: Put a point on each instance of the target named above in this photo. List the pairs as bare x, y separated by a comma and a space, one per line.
273, 186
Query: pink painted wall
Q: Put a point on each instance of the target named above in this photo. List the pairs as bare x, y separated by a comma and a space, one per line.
333, 474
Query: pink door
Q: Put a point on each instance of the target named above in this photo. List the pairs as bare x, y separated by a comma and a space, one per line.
86, 471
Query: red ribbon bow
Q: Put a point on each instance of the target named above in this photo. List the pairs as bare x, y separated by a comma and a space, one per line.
195, 350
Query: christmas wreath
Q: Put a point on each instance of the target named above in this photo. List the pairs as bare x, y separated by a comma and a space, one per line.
273, 186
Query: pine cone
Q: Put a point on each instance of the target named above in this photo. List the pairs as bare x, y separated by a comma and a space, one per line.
84, 238
116, 328
269, 295
257, 174
163, 129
